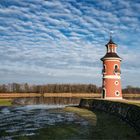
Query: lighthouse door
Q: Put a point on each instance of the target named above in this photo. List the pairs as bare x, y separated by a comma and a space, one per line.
103, 93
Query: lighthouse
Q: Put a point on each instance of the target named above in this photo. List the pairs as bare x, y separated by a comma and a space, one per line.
111, 81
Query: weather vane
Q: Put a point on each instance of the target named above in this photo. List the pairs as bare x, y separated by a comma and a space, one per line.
111, 33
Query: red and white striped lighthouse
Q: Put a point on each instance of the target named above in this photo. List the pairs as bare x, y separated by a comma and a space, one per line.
111, 83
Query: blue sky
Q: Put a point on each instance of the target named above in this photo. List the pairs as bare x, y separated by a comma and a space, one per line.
62, 41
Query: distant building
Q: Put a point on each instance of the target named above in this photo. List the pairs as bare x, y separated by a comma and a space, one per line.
111, 83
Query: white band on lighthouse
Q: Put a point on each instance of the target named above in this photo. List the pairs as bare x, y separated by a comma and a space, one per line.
112, 58
112, 77
114, 98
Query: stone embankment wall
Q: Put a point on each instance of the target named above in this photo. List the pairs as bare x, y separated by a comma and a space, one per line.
128, 112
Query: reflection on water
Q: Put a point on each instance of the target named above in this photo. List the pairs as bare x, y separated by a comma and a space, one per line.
47, 100
24, 121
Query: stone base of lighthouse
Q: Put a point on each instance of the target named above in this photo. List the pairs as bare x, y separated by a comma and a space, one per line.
111, 88
113, 98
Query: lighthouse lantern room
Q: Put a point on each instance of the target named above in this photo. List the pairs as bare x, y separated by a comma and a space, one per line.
111, 82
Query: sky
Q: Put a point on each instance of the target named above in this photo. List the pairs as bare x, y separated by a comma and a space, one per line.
62, 41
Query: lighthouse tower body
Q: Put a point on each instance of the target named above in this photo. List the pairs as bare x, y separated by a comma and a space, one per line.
111, 83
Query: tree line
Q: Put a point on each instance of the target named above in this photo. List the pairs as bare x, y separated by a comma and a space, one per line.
58, 88
130, 89
49, 88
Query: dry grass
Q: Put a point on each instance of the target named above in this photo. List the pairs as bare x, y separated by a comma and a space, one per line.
76, 95
134, 102
125, 95
132, 95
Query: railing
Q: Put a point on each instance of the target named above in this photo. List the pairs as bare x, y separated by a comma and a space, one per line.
103, 71
117, 71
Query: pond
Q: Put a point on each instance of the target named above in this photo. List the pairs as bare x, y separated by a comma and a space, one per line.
58, 122
27, 121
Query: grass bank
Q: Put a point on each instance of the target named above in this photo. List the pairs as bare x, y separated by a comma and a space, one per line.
5, 102
134, 102
105, 126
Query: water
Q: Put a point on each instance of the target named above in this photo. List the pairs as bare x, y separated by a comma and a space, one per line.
27, 120
47, 100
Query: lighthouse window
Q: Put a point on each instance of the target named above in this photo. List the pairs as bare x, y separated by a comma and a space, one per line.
116, 69
116, 82
108, 49
104, 82
104, 69
111, 49
115, 49
117, 93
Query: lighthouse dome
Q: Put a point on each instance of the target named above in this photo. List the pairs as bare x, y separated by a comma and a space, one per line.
111, 50
111, 42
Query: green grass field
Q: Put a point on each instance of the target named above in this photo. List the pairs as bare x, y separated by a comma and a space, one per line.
106, 126
133, 102
5, 102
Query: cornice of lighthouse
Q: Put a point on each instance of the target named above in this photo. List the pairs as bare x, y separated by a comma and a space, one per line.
111, 56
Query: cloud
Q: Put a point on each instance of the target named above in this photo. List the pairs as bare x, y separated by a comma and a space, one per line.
64, 40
